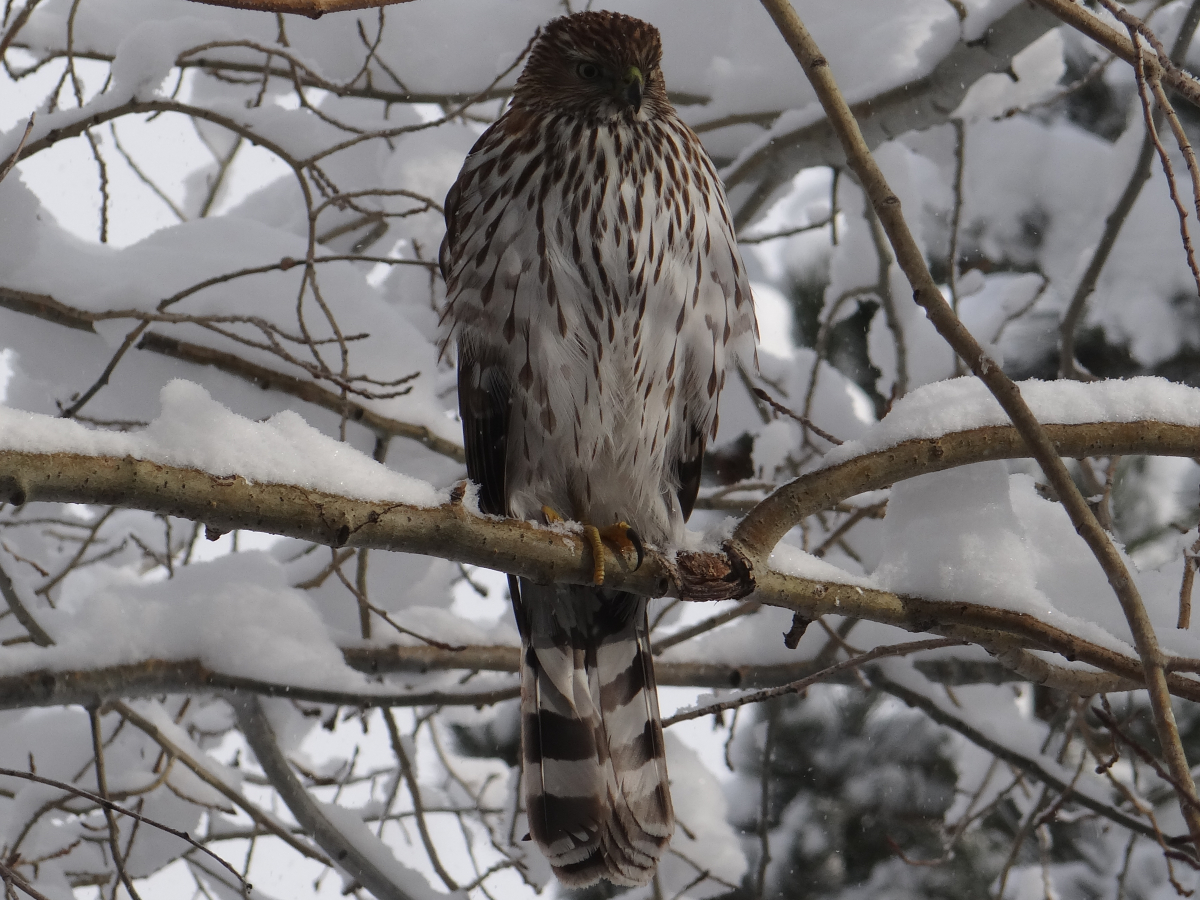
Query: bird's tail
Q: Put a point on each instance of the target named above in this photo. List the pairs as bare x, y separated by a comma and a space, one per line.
595, 768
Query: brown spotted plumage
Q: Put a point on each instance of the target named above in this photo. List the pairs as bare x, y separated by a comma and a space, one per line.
596, 299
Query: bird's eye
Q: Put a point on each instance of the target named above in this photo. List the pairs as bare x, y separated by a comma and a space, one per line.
587, 71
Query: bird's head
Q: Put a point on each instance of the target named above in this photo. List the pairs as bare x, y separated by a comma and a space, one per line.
600, 66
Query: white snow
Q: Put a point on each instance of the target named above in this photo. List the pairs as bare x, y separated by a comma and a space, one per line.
788, 560
351, 827
195, 431
962, 404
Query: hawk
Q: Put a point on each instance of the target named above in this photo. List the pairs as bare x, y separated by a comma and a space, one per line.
596, 298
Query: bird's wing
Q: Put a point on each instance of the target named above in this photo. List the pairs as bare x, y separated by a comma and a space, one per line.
484, 402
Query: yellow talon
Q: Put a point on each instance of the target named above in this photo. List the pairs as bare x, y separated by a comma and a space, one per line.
620, 536
592, 533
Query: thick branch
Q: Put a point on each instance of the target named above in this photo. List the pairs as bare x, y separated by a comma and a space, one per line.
154, 677
918, 105
352, 858
768, 522
452, 532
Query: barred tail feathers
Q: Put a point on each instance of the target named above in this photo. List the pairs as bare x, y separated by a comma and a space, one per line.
595, 768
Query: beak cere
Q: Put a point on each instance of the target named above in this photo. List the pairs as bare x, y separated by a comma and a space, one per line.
631, 92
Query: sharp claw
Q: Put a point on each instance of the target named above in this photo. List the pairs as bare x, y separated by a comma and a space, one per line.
636, 540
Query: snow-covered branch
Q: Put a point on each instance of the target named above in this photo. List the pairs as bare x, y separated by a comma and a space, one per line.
413, 520
930, 100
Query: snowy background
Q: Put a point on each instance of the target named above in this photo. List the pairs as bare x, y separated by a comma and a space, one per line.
186, 160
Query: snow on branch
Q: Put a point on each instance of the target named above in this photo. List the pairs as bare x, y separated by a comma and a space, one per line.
803, 138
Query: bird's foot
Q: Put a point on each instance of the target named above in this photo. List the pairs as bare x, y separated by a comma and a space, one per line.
620, 536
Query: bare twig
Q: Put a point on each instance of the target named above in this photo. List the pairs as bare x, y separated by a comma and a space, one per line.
12, 160
1067, 367
114, 833
1084, 21
761, 394
414, 793
1191, 560
350, 856
313, 9
262, 819
803, 684
36, 633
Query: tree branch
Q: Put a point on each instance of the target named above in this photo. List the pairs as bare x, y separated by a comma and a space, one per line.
195, 759
350, 857
47, 308
927, 294
1087, 23
452, 532
768, 522
1031, 765
920, 104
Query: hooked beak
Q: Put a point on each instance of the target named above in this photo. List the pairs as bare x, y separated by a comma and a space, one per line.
631, 90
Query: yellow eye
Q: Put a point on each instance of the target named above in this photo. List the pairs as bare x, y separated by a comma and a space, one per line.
587, 71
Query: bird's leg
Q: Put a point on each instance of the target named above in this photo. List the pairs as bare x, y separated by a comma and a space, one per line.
624, 538
619, 535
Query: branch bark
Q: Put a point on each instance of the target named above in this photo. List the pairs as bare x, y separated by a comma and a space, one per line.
1118, 43
350, 857
452, 532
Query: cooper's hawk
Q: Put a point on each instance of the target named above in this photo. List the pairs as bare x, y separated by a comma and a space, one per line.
596, 296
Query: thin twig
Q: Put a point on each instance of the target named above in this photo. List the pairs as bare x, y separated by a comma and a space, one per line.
12, 160
1191, 560
114, 833
960, 153
109, 805
37, 634
761, 394
414, 793
796, 687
